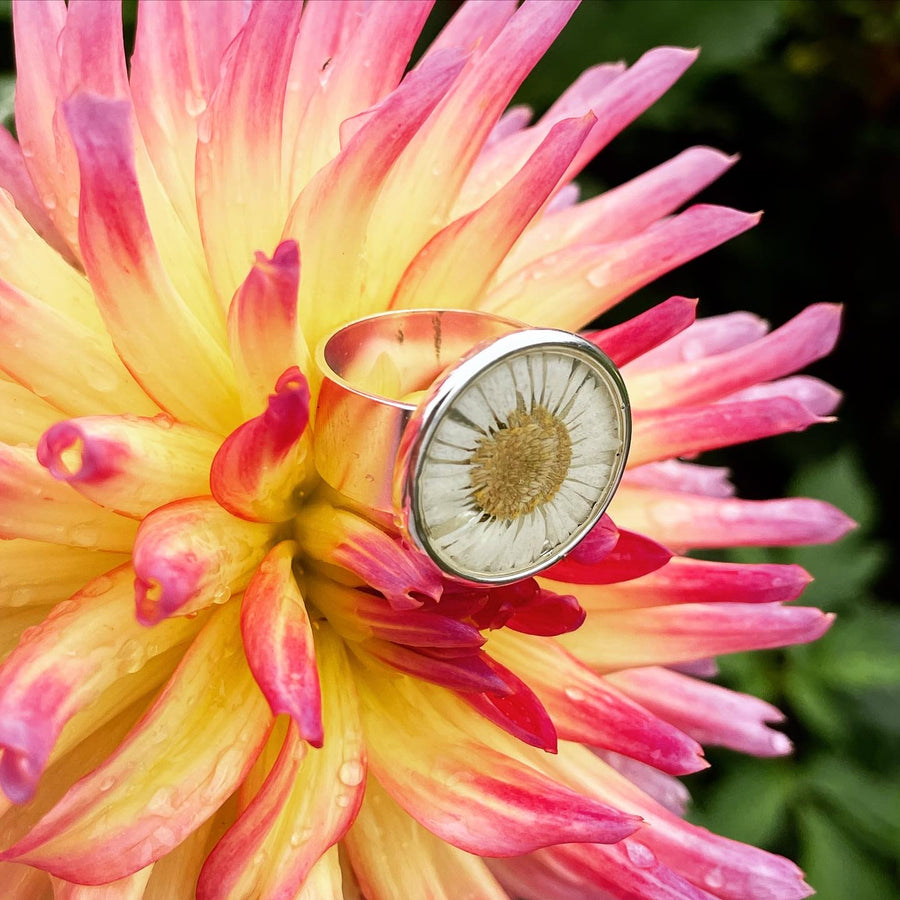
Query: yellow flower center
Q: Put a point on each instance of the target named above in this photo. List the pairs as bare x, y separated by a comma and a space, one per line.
521, 466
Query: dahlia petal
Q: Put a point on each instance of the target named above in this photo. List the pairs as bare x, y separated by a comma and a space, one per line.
325, 880
682, 520
709, 713
24, 416
726, 868
662, 635
239, 194
278, 642
807, 337
176, 767
615, 101
676, 475
128, 464
262, 326
462, 789
176, 873
306, 804
664, 434
15, 180
33, 573
451, 143
625, 871
393, 856
191, 554
584, 708
338, 537
454, 267
547, 614
178, 49
518, 712
15, 623
45, 147
340, 197
819, 398
258, 471
597, 543
62, 665
705, 337
623, 211
569, 288
157, 335
474, 26
632, 556
684, 580
667, 790
640, 334
131, 887
352, 78
34, 505
24, 882
69, 364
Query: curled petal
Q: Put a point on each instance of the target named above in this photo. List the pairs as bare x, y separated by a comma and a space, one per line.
191, 554
393, 855
258, 471
263, 333
547, 614
683, 520
176, 767
689, 430
709, 713
585, 708
569, 288
819, 398
340, 538
128, 464
688, 478
463, 790
807, 337
597, 543
279, 645
684, 580
34, 505
632, 556
625, 342
306, 803
662, 635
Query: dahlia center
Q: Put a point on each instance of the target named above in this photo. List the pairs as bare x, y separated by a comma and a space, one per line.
521, 466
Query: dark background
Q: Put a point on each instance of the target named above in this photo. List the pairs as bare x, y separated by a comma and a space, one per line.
808, 91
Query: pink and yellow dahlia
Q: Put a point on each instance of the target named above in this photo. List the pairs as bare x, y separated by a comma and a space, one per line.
221, 676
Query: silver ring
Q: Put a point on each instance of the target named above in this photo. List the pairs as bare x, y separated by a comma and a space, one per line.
507, 459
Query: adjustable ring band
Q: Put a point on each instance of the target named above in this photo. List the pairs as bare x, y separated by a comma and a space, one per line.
507, 459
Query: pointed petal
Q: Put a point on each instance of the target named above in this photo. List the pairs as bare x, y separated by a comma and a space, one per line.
572, 287
35, 506
278, 641
669, 433
662, 635
819, 398
683, 520
711, 714
74, 367
632, 556
155, 332
263, 332
63, 665
33, 573
623, 343
240, 198
259, 470
340, 198
340, 538
807, 337
307, 802
393, 856
684, 580
586, 709
463, 790
178, 765
455, 266
191, 554
129, 464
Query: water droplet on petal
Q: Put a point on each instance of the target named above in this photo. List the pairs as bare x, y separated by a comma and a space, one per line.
351, 773
640, 855
576, 695
714, 878
107, 783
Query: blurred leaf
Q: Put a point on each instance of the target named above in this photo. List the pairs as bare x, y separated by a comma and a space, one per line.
750, 803
5, 10
7, 99
834, 865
